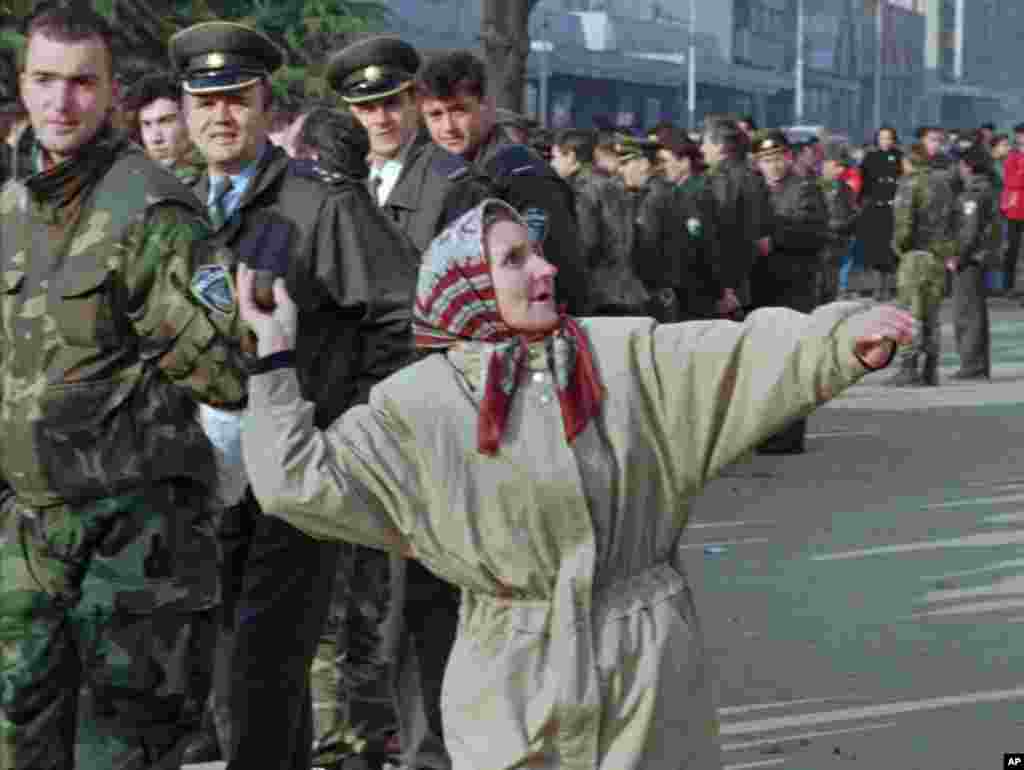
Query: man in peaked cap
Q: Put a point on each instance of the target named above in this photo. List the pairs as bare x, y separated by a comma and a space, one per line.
352, 274
374, 77
788, 275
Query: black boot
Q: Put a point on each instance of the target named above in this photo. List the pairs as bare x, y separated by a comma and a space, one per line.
930, 371
203, 748
907, 374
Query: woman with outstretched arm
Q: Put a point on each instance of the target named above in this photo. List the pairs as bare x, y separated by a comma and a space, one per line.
545, 465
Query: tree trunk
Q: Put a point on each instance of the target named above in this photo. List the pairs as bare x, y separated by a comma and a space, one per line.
506, 42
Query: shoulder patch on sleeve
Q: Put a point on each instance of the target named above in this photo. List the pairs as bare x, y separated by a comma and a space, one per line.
214, 289
310, 169
536, 223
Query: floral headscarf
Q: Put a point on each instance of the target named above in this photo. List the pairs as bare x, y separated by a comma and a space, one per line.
456, 302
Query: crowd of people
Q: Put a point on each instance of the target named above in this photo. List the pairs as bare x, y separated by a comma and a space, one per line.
470, 351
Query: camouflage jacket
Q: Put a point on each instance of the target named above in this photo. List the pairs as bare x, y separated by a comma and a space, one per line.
922, 212
977, 223
801, 222
842, 211
115, 317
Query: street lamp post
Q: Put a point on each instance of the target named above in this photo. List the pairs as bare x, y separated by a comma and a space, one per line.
879, 59
798, 101
691, 62
543, 48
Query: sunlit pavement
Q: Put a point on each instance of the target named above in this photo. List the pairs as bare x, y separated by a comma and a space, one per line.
864, 602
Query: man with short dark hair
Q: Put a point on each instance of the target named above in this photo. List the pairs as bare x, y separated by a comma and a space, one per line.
742, 208
155, 103
118, 317
352, 274
460, 115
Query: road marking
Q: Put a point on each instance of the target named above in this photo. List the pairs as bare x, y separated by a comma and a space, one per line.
758, 763
709, 524
747, 708
1005, 518
799, 736
995, 566
728, 543
970, 609
834, 433
1004, 586
871, 712
986, 539
978, 501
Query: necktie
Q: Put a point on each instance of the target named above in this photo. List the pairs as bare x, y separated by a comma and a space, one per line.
219, 188
376, 182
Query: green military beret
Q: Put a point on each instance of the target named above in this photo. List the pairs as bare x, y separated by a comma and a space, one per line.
222, 56
769, 142
374, 68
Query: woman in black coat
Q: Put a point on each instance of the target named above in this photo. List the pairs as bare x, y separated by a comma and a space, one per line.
881, 169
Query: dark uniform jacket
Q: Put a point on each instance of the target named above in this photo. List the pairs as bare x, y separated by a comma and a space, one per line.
416, 202
842, 213
115, 318
881, 171
350, 271
676, 248
742, 214
787, 276
548, 196
606, 241
976, 223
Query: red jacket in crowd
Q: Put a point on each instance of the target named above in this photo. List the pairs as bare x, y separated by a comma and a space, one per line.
855, 179
1011, 202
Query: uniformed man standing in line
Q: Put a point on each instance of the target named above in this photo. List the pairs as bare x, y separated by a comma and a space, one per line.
977, 230
605, 233
922, 239
842, 218
788, 275
742, 209
375, 78
117, 316
154, 102
382, 670
352, 275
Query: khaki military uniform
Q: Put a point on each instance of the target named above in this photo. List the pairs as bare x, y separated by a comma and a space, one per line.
114, 318
922, 240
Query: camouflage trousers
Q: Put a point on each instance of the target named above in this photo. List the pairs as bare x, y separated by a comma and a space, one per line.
921, 283
373, 693
106, 630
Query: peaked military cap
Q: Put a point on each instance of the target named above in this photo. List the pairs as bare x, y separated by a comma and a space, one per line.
374, 68
769, 142
222, 56
629, 147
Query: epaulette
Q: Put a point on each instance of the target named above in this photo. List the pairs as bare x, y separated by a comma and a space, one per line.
516, 160
451, 166
310, 169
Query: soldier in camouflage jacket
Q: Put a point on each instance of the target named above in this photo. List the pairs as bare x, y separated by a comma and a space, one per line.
114, 318
922, 240
842, 219
977, 229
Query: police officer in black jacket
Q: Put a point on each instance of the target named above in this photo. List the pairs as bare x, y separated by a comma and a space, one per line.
352, 275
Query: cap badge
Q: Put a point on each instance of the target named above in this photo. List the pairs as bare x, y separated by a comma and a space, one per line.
767, 144
215, 60
373, 74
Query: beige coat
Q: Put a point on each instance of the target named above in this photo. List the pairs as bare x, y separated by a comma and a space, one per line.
578, 646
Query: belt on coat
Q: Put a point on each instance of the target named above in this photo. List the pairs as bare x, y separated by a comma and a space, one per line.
570, 623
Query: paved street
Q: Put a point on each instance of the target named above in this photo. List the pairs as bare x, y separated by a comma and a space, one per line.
865, 606
864, 603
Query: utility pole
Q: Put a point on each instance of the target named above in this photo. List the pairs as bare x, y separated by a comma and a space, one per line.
879, 58
691, 61
801, 44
